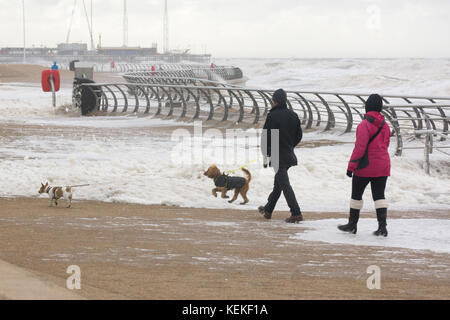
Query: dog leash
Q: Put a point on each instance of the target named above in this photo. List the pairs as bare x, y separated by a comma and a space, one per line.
76, 186
233, 171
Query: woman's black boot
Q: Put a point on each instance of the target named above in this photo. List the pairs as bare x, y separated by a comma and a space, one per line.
351, 226
381, 217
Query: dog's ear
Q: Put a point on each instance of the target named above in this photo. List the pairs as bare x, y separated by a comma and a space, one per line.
42, 184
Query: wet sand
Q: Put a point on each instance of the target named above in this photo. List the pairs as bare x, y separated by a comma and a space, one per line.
128, 251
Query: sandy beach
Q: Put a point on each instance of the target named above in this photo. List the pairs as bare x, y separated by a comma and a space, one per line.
128, 251
176, 251
29, 73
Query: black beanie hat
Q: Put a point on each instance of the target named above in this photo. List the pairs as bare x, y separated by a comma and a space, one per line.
280, 97
374, 103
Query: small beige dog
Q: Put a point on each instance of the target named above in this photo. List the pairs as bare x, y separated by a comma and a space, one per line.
56, 193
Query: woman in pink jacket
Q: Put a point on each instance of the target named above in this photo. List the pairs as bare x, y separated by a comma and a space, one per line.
373, 132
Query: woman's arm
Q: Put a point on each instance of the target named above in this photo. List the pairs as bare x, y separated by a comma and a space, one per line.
362, 138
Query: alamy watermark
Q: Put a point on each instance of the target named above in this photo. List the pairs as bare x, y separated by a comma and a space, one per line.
222, 146
73, 282
374, 281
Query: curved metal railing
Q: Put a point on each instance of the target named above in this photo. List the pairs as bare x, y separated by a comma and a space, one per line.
98, 67
216, 73
143, 78
192, 98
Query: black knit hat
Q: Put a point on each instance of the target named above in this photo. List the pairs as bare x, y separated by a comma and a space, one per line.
280, 97
374, 103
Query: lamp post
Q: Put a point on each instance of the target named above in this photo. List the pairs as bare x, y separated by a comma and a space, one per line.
24, 44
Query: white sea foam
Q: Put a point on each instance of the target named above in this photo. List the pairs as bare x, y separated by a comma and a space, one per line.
23, 101
147, 169
141, 170
393, 76
417, 234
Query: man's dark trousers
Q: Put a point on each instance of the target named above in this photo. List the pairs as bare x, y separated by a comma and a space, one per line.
282, 184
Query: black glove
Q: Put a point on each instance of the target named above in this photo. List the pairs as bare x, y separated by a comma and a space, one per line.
349, 173
266, 162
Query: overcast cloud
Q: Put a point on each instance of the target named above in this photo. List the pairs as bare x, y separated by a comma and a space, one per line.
245, 28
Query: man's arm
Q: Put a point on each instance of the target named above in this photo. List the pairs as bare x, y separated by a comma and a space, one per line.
266, 138
299, 132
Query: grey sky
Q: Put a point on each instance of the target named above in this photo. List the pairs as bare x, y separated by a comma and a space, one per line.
246, 28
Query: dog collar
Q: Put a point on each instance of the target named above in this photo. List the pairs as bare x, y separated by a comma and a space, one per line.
220, 175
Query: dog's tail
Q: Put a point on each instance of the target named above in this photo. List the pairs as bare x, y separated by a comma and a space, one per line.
249, 176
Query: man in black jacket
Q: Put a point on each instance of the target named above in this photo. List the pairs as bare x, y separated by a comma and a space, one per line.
281, 131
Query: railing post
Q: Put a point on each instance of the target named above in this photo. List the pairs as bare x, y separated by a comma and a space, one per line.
427, 151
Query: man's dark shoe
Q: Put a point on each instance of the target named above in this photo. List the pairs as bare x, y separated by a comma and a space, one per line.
294, 219
266, 214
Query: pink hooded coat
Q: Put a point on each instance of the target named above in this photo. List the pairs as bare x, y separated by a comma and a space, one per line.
379, 159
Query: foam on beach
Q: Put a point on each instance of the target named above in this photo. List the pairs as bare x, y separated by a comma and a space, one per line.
416, 234
125, 164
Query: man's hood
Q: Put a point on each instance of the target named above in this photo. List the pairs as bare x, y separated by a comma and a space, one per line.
279, 106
